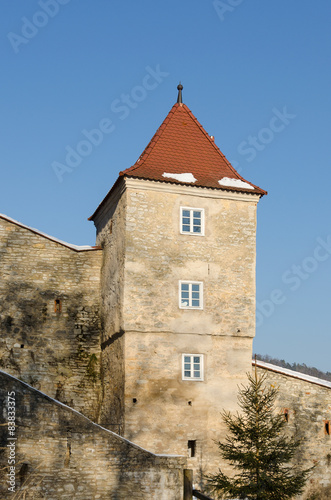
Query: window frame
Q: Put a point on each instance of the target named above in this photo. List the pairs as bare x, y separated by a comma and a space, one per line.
188, 282
193, 379
191, 232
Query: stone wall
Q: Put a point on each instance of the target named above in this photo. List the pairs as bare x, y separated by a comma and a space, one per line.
50, 316
62, 455
145, 256
308, 406
102, 331
157, 332
158, 256
164, 412
110, 223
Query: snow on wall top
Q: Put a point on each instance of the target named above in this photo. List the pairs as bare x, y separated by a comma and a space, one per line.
292, 373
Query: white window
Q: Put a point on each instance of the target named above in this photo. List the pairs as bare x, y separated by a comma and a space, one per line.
192, 221
192, 366
191, 295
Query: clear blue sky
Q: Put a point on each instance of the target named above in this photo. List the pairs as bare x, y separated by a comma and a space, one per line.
67, 66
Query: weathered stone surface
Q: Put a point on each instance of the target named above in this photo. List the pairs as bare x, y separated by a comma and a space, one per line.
308, 406
56, 352
111, 236
114, 349
62, 455
164, 412
158, 256
145, 256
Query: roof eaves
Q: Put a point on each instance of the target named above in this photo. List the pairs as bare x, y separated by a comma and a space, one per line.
190, 184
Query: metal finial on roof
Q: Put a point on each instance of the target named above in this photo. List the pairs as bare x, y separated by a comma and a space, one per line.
179, 88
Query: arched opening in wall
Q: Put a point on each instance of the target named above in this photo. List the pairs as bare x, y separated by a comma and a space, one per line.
327, 427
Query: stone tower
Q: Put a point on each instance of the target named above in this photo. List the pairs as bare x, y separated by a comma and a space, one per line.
178, 234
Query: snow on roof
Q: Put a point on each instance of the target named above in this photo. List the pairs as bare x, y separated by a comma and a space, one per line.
181, 177
77, 248
227, 181
181, 144
292, 373
58, 403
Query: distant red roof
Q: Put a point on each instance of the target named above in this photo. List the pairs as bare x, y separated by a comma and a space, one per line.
182, 146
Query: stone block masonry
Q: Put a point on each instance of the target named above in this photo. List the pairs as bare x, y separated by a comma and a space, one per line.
62, 455
306, 406
49, 316
145, 333
111, 236
158, 255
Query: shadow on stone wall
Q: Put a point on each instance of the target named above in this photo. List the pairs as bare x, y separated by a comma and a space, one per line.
56, 353
61, 454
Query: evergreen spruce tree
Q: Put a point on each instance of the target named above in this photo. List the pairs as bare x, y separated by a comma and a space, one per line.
258, 449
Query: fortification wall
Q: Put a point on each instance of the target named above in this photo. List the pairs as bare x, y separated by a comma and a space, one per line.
60, 454
50, 316
308, 409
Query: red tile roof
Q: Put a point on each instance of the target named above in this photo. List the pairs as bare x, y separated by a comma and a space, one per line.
182, 146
